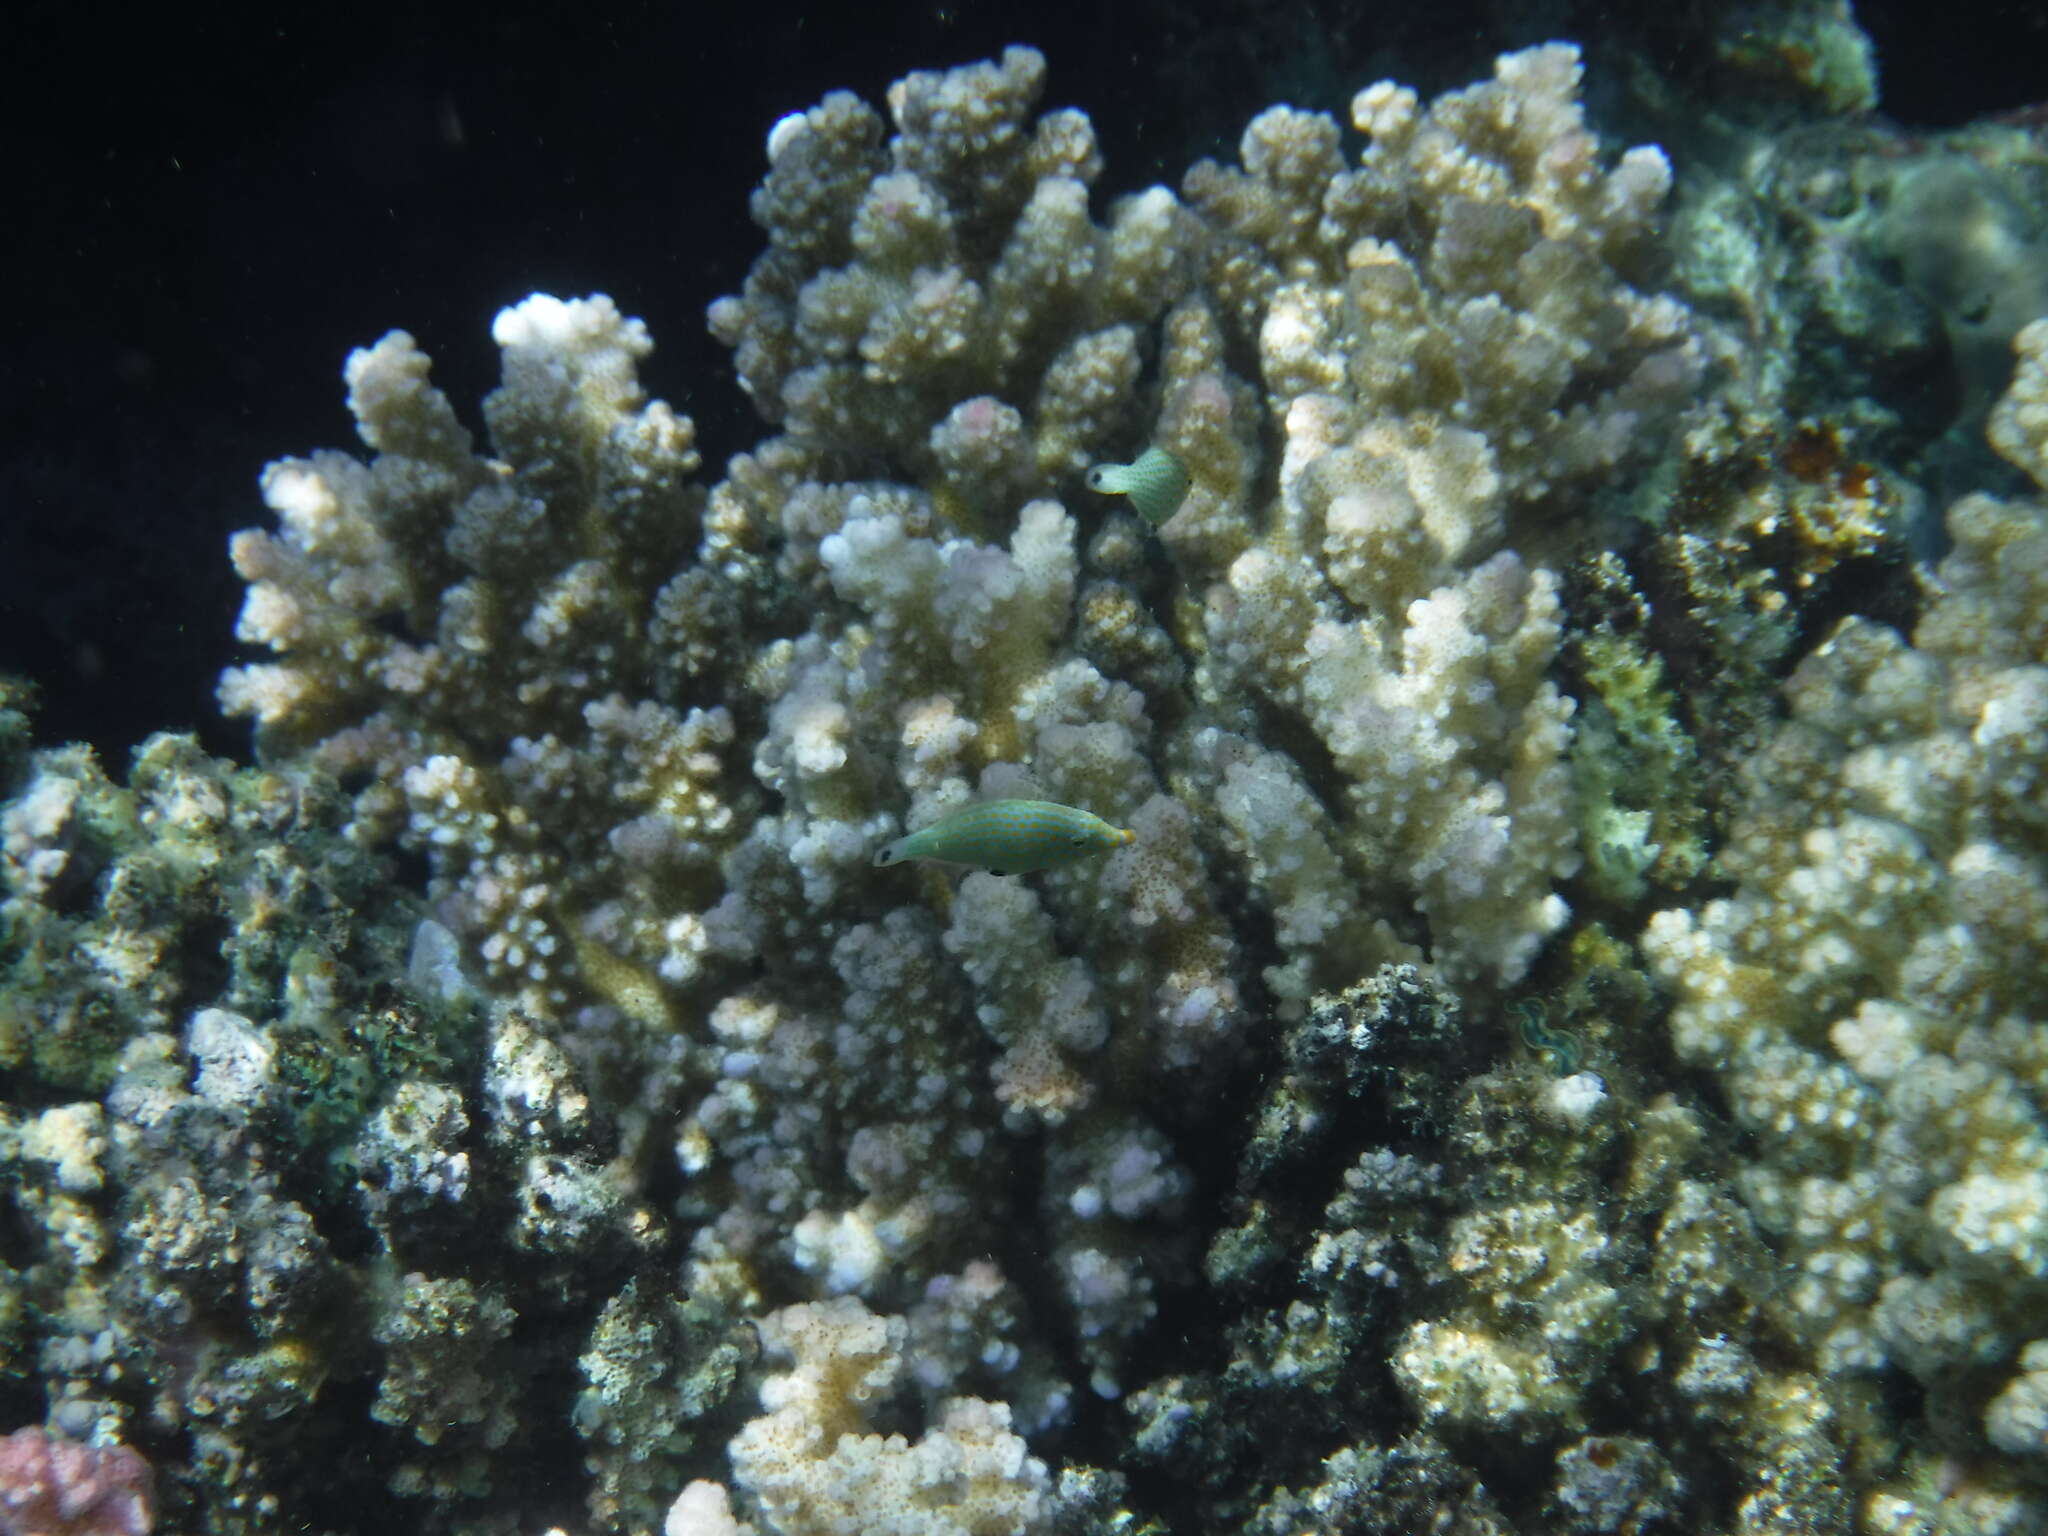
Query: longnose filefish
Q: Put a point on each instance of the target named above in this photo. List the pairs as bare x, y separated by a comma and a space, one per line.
1156, 482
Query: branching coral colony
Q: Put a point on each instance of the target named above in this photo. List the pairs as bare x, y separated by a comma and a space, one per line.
664, 1089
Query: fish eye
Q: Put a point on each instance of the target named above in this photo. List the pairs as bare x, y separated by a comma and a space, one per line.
1095, 478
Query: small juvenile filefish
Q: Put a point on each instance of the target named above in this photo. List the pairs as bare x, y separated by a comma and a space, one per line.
1156, 482
1009, 837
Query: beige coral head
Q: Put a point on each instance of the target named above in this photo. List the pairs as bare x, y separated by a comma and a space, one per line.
2019, 423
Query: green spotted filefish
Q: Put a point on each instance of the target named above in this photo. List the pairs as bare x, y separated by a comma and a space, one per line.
1156, 482
1009, 837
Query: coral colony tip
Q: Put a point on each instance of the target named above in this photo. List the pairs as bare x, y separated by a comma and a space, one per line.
1156, 482
1009, 837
